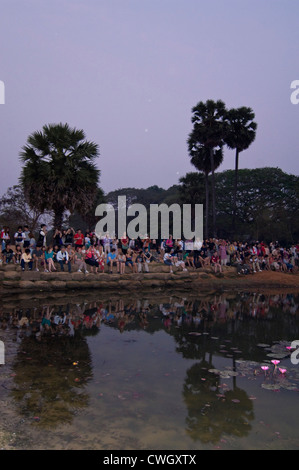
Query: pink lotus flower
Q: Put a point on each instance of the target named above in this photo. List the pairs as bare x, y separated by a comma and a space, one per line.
275, 362
283, 371
264, 368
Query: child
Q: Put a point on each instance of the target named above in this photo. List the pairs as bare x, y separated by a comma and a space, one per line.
26, 258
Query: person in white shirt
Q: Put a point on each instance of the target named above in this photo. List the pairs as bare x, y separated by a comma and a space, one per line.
20, 237
62, 258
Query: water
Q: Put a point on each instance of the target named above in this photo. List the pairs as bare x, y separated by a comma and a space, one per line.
154, 372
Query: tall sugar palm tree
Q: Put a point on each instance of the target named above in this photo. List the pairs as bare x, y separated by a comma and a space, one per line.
59, 171
209, 130
241, 133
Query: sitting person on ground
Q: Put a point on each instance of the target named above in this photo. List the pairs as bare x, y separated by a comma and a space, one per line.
80, 260
147, 256
141, 263
49, 259
189, 260
111, 260
215, 262
37, 255
167, 259
121, 261
26, 259
204, 259
62, 258
129, 260
100, 257
18, 254
8, 254
91, 260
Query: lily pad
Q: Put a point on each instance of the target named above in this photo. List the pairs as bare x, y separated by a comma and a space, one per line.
271, 386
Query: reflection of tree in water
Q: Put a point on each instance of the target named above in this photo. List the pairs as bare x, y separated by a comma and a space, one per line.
50, 376
214, 411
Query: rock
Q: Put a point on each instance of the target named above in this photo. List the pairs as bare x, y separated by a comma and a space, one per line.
27, 284
12, 275
57, 284
10, 284
41, 285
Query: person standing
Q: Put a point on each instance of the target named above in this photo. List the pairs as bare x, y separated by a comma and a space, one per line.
42, 237
19, 237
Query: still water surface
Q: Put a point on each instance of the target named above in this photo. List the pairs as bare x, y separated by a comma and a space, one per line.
150, 372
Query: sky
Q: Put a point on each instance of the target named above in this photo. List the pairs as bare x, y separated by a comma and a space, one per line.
129, 72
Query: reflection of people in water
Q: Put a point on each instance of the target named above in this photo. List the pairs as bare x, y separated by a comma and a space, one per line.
198, 312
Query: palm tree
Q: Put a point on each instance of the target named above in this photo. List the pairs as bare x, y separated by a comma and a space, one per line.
209, 130
241, 134
201, 159
59, 171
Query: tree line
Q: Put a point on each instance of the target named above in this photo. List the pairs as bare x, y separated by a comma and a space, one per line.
60, 178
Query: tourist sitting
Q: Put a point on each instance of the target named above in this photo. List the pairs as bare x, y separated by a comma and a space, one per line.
141, 262
62, 258
49, 259
100, 257
18, 254
111, 260
37, 255
90, 259
204, 259
167, 259
189, 260
26, 259
79, 260
8, 254
121, 261
215, 262
147, 256
129, 260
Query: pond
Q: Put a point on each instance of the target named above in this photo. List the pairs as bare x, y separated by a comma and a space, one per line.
167, 372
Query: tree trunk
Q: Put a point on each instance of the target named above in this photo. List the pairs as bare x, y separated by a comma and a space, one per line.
207, 205
235, 191
213, 192
58, 216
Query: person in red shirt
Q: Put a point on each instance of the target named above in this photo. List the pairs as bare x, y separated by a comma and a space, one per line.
215, 262
79, 238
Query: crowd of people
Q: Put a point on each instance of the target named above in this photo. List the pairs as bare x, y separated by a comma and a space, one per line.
88, 253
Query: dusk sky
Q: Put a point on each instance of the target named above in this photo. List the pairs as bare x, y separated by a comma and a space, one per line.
128, 73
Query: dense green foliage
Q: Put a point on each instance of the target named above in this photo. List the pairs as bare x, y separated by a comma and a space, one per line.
59, 172
267, 202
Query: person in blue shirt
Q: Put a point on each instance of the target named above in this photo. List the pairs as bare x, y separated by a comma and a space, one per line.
111, 259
